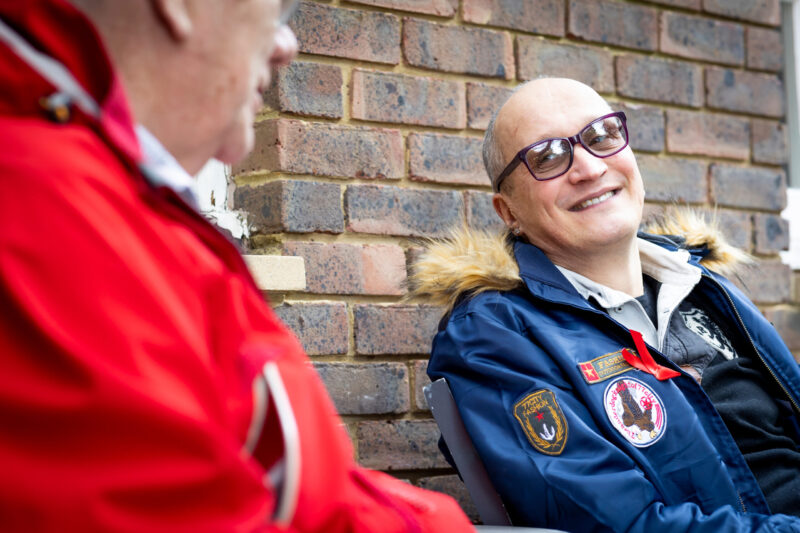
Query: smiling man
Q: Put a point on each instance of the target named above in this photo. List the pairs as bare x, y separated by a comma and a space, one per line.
610, 381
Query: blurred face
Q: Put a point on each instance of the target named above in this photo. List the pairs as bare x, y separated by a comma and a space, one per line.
595, 205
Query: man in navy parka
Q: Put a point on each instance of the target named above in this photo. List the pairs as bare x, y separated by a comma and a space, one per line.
610, 381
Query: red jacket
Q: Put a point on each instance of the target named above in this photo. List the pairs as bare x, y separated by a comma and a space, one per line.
144, 384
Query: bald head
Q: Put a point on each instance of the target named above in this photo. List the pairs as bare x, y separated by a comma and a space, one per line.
546, 103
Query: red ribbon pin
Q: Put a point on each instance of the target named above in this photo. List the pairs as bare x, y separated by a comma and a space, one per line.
645, 361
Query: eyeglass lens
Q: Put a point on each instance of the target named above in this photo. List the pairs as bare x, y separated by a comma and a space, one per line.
552, 157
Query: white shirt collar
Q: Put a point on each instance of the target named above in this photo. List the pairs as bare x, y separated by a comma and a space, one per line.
162, 170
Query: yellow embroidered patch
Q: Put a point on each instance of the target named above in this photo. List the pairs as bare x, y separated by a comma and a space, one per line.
542, 421
604, 367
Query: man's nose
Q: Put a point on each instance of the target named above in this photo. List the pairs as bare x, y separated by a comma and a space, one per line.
285, 47
585, 166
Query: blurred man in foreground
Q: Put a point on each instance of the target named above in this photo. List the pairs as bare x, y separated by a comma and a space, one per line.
145, 385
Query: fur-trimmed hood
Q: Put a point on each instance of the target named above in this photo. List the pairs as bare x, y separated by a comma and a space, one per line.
474, 261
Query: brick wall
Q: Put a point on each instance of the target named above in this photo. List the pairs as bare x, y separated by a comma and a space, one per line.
371, 140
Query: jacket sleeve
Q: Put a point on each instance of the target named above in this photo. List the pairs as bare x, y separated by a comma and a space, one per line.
591, 485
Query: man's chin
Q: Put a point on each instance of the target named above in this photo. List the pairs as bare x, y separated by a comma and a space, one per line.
234, 152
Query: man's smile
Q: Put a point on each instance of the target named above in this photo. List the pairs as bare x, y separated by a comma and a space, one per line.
593, 201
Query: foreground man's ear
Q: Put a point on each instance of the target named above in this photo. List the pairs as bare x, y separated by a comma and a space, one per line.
174, 14
503, 209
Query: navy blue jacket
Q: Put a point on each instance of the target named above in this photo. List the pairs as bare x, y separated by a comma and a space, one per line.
522, 365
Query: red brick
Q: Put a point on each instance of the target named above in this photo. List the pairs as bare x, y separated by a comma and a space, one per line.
404, 212
708, 134
745, 92
736, 226
481, 213
539, 57
446, 159
388, 97
764, 49
686, 4
292, 206
455, 488
395, 329
671, 179
765, 283
761, 11
533, 16
770, 143
758, 188
399, 445
351, 268
651, 213
648, 78
307, 88
421, 380
772, 233
366, 388
299, 147
442, 8
787, 321
441, 47
320, 326
483, 101
616, 23
702, 38
354, 34
645, 126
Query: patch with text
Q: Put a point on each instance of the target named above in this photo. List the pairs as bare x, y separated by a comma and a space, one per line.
635, 411
604, 367
542, 421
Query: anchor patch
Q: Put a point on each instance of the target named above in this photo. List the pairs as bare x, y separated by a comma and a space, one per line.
542, 421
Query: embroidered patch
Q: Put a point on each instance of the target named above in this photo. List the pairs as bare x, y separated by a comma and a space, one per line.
699, 322
604, 367
542, 421
635, 411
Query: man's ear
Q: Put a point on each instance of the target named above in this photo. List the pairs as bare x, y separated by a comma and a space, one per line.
503, 209
174, 14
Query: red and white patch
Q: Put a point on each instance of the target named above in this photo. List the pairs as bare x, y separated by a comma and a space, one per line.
635, 410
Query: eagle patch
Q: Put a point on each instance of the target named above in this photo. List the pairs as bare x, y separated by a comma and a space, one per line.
635, 411
542, 421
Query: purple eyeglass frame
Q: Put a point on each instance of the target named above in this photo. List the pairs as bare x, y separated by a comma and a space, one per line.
575, 139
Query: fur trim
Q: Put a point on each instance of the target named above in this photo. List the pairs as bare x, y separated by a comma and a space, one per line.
472, 261
469, 261
698, 231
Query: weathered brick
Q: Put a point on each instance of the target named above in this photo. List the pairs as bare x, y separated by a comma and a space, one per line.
713, 135
441, 47
686, 4
651, 213
292, 206
772, 233
532, 16
746, 92
761, 11
396, 211
442, 8
787, 321
539, 57
454, 487
736, 226
366, 388
421, 380
770, 143
307, 88
320, 326
399, 445
645, 126
326, 150
351, 33
612, 22
758, 188
764, 49
671, 179
483, 101
446, 159
395, 329
481, 213
662, 80
388, 97
765, 283
351, 268
702, 38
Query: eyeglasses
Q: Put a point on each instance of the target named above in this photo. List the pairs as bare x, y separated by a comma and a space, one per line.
551, 158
